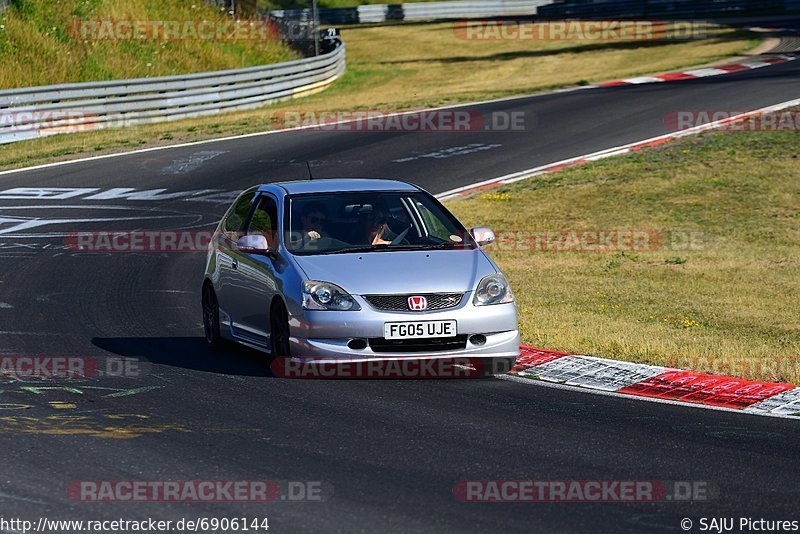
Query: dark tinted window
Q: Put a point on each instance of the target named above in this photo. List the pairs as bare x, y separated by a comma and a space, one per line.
327, 223
265, 219
235, 219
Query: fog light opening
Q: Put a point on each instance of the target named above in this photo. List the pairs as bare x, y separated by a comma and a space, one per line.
477, 339
357, 344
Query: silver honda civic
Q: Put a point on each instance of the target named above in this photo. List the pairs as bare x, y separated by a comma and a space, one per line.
355, 270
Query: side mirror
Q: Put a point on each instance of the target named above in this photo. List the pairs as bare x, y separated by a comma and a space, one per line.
253, 244
483, 235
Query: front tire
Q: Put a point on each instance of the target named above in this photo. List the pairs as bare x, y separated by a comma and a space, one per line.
211, 318
279, 331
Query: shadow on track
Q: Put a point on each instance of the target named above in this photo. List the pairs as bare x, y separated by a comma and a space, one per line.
188, 353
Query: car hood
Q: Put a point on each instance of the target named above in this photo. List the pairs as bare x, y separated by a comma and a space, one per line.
435, 271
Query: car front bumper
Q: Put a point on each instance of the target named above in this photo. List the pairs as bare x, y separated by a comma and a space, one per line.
325, 334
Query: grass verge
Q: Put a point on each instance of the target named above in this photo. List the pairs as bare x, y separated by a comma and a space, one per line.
41, 44
717, 288
413, 66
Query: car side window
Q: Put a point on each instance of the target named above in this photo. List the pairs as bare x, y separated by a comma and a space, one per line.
265, 219
235, 219
432, 223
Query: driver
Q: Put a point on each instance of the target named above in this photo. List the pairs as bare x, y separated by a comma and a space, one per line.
313, 220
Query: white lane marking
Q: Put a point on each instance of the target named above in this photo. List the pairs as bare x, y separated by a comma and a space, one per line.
608, 154
192, 163
45, 193
450, 152
129, 193
26, 224
19, 223
116, 193
614, 151
540, 383
114, 207
6, 306
224, 197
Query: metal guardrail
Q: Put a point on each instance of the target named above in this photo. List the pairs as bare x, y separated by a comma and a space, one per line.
501, 8
32, 112
417, 11
670, 9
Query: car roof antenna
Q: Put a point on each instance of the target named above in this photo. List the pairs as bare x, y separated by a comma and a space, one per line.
310, 176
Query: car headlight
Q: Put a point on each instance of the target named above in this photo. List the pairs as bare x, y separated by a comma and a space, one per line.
493, 289
327, 296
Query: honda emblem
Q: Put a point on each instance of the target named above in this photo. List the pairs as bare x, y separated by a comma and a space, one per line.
417, 303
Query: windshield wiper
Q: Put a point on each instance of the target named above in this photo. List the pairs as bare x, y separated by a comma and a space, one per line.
365, 248
439, 246
451, 245
391, 248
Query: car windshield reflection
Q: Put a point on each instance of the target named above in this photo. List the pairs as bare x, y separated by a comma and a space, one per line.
340, 223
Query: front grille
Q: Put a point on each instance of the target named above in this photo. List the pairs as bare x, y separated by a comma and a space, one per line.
436, 344
436, 301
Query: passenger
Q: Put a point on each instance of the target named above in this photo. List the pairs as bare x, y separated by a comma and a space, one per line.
378, 232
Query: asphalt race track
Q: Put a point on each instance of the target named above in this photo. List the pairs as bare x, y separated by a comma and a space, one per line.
392, 450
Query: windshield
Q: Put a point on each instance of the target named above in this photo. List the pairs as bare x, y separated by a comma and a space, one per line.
375, 221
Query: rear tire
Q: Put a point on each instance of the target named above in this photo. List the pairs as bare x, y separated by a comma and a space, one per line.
211, 325
279, 331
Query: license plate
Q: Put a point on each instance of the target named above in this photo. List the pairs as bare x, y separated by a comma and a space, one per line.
419, 329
